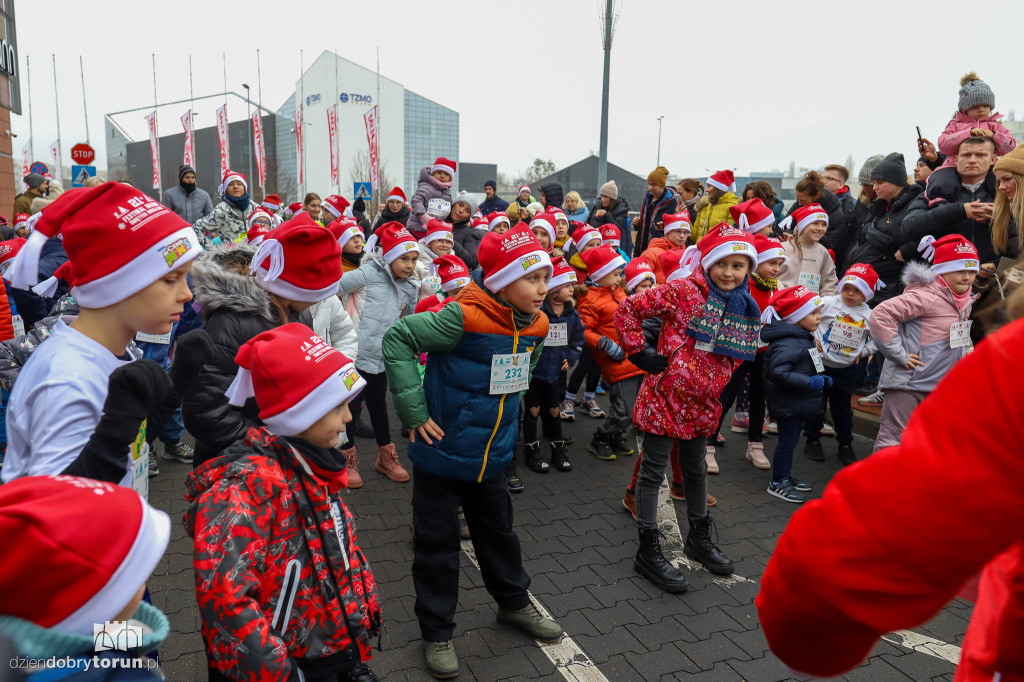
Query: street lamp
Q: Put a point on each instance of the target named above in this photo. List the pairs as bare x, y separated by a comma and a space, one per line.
659, 140
248, 110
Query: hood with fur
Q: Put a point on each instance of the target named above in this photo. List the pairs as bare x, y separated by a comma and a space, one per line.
219, 283
918, 274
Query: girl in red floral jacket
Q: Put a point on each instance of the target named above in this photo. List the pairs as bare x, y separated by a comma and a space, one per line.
284, 591
710, 326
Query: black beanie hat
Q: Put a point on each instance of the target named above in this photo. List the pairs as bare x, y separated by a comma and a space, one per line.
891, 169
185, 169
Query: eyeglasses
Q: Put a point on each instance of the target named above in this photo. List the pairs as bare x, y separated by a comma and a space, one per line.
261, 221
828, 179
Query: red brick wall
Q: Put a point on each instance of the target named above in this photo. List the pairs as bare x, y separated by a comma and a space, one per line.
8, 183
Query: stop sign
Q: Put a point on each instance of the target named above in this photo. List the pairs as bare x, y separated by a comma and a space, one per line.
82, 154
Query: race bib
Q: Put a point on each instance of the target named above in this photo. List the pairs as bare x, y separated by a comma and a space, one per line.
439, 208
154, 338
845, 335
558, 334
819, 366
510, 373
960, 334
811, 280
432, 282
19, 325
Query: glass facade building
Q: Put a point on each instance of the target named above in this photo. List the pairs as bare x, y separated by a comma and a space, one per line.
431, 130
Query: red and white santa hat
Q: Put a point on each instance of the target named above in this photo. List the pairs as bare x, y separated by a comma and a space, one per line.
8, 250
864, 278
557, 214
723, 240
495, 218
229, 177
293, 209
791, 305
452, 270
256, 234
949, 254
585, 235
677, 221
438, 229
481, 224
674, 264
48, 287
610, 235
602, 260
295, 376
300, 261
723, 180
562, 274
20, 219
65, 575
396, 194
118, 240
768, 249
804, 216
637, 270
443, 164
344, 229
546, 222
336, 204
524, 188
752, 216
395, 241
272, 203
512, 255
259, 212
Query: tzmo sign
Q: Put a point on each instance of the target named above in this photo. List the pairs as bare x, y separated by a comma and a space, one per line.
355, 98
312, 99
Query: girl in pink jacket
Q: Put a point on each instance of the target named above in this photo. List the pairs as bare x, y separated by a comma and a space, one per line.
974, 118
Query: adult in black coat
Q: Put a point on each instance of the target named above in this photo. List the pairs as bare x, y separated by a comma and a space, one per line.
551, 194
609, 208
467, 239
788, 367
389, 216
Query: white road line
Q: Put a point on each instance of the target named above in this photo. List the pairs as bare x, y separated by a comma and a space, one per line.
569, 659
923, 644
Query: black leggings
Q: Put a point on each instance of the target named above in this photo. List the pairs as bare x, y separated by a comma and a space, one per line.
375, 395
545, 396
588, 368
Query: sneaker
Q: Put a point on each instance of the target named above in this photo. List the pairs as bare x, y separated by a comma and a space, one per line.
592, 409
153, 468
442, 663
601, 389
828, 430
178, 451
799, 485
629, 502
770, 429
567, 412
784, 490
532, 622
867, 388
875, 399
755, 455
620, 445
387, 464
719, 440
601, 449
709, 457
740, 422
463, 527
846, 454
515, 484
354, 479
814, 451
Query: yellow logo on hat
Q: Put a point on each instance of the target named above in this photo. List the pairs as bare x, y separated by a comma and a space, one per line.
173, 252
739, 247
529, 261
970, 264
350, 378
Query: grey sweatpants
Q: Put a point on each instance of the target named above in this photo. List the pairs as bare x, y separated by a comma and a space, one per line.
896, 410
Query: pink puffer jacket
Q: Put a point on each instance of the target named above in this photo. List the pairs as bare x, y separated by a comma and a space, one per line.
959, 129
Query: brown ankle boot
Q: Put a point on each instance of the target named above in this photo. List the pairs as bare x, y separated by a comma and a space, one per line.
354, 479
629, 502
387, 464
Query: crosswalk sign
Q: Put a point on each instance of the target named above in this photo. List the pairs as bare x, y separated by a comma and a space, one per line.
363, 190
79, 174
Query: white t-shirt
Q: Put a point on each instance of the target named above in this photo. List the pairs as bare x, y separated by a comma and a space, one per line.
56, 404
844, 332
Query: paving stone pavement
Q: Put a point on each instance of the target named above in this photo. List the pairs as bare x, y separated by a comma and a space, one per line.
578, 543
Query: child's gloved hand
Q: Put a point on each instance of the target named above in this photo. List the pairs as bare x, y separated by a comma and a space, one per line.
820, 381
133, 391
650, 361
612, 349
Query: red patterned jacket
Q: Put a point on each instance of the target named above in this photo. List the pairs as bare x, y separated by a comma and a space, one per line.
279, 587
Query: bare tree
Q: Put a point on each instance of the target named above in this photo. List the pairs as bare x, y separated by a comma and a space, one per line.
359, 171
537, 170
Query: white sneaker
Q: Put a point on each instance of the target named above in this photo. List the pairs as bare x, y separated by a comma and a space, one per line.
876, 398
709, 457
755, 455
828, 430
770, 429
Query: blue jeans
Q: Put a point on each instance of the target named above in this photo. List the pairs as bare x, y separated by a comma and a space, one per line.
789, 436
4, 397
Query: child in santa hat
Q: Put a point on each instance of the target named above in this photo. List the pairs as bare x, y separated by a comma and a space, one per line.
543, 227
310, 612
22, 228
388, 287
925, 330
585, 238
612, 236
262, 222
562, 237
439, 242
465, 417
677, 231
710, 326
809, 264
130, 256
333, 207
453, 275
350, 237
497, 222
845, 339
433, 196
227, 222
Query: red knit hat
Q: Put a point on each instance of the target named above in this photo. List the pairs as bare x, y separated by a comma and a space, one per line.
562, 274
293, 209
584, 235
804, 216
344, 229
452, 270
295, 376
546, 222
118, 240
229, 177
610, 235
272, 203
507, 257
673, 264
8, 250
791, 304
395, 241
637, 270
864, 278
768, 249
68, 575
396, 194
949, 254
300, 261
443, 164
723, 180
677, 221
752, 216
438, 229
20, 219
336, 204
602, 260
495, 218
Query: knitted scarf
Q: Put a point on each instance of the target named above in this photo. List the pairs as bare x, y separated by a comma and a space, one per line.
730, 320
764, 284
241, 203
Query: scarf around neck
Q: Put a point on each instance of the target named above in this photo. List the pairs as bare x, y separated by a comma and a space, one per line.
731, 320
241, 203
763, 283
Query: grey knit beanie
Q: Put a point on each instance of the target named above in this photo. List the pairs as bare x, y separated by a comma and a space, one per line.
864, 177
467, 199
974, 91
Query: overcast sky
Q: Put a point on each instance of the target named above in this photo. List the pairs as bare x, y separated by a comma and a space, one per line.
744, 85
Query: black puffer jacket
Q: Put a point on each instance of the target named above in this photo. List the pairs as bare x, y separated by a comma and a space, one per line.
553, 194
878, 241
467, 240
618, 214
386, 216
788, 368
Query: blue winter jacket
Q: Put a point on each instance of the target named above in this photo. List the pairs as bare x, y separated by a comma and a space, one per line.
549, 367
493, 204
788, 368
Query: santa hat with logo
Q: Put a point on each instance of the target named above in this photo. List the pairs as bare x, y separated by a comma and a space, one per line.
256, 235
495, 218
395, 242
768, 249
336, 204
438, 229
452, 270
293, 209
299, 261
752, 216
443, 164
864, 278
723, 180
8, 250
791, 305
229, 177
481, 224
92, 570
524, 188
949, 254
804, 216
677, 221
259, 212
546, 222
396, 194
118, 240
295, 376
557, 214
602, 260
20, 220
272, 203
610, 235
507, 257
344, 229
637, 270
585, 235
723, 240
563, 274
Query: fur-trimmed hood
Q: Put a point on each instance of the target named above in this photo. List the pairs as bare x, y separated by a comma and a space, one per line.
918, 274
217, 286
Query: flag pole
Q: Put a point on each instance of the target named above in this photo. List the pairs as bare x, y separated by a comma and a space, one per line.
85, 107
191, 110
31, 136
156, 104
56, 102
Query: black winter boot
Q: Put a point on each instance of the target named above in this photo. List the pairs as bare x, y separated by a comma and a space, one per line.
534, 460
814, 451
652, 564
846, 454
699, 547
559, 460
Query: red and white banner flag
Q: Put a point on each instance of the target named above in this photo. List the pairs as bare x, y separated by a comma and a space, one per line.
261, 155
332, 136
370, 118
222, 135
154, 147
190, 143
26, 161
55, 165
298, 143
